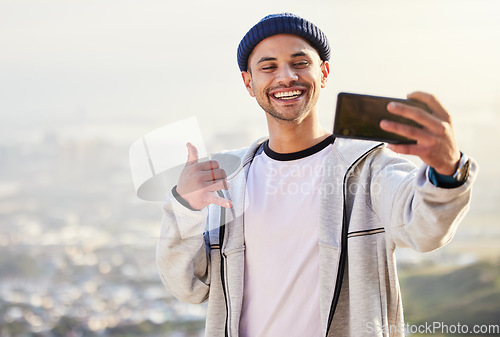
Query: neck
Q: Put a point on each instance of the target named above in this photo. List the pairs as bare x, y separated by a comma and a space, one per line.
294, 136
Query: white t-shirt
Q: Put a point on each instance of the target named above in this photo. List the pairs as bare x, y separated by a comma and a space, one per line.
281, 291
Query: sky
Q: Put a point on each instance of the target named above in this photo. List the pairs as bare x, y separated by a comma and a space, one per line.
118, 69
148, 63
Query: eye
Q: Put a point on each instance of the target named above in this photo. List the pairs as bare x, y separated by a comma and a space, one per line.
269, 67
301, 64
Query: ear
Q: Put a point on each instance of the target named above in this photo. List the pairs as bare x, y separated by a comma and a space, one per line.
325, 72
247, 80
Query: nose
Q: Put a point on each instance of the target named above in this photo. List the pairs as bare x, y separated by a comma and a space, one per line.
287, 75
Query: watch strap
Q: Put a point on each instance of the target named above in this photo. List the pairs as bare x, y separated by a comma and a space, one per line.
455, 180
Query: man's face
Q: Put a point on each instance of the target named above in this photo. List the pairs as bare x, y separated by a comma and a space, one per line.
285, 75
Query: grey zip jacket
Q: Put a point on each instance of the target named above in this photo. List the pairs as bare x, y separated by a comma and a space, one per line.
372, 200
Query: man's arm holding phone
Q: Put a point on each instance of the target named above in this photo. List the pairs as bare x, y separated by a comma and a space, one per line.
431, 219
436, 144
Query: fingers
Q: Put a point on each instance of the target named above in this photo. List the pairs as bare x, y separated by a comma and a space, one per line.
208, 165
432, 102
415, 133
406, 149
436, 143
431, 122
213, 175
203, 188
199, 182
216, 199
217, 185
210, 171
192, 154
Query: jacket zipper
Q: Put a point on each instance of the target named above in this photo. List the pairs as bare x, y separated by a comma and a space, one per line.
222, 230
343, 252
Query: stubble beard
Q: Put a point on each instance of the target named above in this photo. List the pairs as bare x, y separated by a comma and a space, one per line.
267, 105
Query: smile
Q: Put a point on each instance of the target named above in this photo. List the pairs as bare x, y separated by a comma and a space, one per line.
285, 95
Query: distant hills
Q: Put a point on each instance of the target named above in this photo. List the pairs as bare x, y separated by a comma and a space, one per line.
467, 295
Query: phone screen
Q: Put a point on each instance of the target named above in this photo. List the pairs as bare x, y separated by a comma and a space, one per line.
358, 116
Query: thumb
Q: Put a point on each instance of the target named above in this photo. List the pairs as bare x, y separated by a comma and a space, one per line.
192, 154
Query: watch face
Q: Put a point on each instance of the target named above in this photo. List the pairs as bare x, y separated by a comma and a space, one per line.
463, 171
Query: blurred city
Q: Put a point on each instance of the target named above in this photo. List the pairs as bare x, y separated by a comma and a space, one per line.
77, 247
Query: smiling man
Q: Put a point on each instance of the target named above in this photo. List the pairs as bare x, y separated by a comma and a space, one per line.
286, 81
300, 239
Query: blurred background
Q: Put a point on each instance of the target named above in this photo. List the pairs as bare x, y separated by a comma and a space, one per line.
80, 81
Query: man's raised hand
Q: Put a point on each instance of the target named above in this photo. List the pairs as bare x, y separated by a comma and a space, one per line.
199, 182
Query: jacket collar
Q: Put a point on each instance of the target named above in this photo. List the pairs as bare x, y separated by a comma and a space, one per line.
350, 150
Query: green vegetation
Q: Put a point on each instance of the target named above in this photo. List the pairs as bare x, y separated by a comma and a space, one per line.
467, 295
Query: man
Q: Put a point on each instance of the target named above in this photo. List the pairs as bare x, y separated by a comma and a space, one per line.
300, 240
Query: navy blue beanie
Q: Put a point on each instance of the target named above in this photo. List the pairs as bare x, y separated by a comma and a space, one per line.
284, 23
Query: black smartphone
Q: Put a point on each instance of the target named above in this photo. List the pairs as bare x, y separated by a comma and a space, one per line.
358, 116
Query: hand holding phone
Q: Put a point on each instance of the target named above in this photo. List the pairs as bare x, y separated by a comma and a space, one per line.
359, 116
432, 139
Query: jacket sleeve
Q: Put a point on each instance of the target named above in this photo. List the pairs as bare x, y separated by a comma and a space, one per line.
415, 212
182, 257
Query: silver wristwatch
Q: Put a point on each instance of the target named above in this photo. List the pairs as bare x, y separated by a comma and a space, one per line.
462, 172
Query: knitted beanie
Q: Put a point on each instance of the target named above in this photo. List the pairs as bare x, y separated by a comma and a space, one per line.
284, 23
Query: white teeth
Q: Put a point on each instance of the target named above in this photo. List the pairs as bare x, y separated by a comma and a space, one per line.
288, 94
